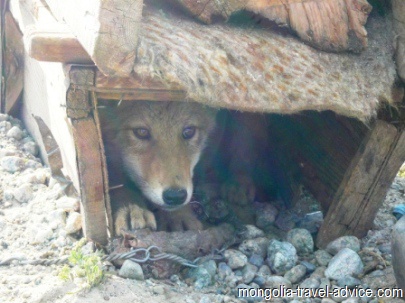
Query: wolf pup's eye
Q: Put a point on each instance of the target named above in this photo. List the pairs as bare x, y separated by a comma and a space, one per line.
142, 133
189, 132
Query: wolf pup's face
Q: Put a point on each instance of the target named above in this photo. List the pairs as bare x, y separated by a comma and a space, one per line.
160, 144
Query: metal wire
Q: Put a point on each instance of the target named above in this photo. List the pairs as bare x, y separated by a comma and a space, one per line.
132, 255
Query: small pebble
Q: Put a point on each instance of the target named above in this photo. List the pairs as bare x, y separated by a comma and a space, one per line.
281, 256
68, 204
3, 117
309, 266
235, 258
265, 214
73, 223
348, 281
295, 274
200, 276
254, 246
276, 282
351, 242
310, 283
12, 164
252, 232
302, 240
322, 257
31, 148
210, 266
5, 126
131, 270
224, 270
24, 193
43, 235
15, 132
159, 290
264, 270
248, 273
345, 263
256, 260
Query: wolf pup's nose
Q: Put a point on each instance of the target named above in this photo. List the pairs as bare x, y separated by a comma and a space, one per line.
175, 196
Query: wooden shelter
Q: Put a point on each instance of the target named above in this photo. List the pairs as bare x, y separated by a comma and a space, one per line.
340, 114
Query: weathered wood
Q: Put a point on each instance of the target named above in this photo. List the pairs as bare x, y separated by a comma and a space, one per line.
365, 184
91, 179
2, 92
54, 44
332, 25
135, 88
102, 26
13, 63
398, 10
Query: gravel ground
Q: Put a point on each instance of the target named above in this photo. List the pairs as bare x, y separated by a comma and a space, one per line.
38, 221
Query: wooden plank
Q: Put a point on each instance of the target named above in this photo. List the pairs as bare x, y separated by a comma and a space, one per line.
102, 26
54, 44
365, 184
89, 161
331, 25
13, 63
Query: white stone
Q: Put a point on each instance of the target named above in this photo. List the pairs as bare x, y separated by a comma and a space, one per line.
15, 132
68, 204
24, 193
73, 223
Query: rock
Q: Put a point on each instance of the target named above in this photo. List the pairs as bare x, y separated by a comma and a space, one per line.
310, 283
324, 283
281, 256
265, 214
311, 222
12, 164
348, 281
68, 204
248, 273
57, 218
32, 164
285, 220
351, 242
31, 147
3, 117
252, 232
276, 282
327, 300
7, 152
319, 272
302, 240
322, 257
309, 266
256, 260
254, 246
24, 193
159, 289
345, 263
15, 132
5, 126
73, 223
38, 177
200, 276
295, 274
43, 235
259, 280
264, 270
210, 266
235, 258
351, 300
131, 270
224, 270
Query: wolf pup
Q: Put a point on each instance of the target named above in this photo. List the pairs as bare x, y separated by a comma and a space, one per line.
152, 149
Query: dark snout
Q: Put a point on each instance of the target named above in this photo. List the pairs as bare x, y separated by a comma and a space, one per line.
175, 196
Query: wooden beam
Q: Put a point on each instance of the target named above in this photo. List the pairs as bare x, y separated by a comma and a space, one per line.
107, 30
365, 184
13, 63
54, 44
91, 180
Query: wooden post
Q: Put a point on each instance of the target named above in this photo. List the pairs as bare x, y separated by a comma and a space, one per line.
90, 160
365, 184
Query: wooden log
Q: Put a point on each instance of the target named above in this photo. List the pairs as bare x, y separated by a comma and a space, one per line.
331, 25
365, 184
91, 180
102, 26
54, 44
91, 164
13, 63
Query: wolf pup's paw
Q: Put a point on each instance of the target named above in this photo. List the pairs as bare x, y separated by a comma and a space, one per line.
178, 220
240, 191
131, 217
